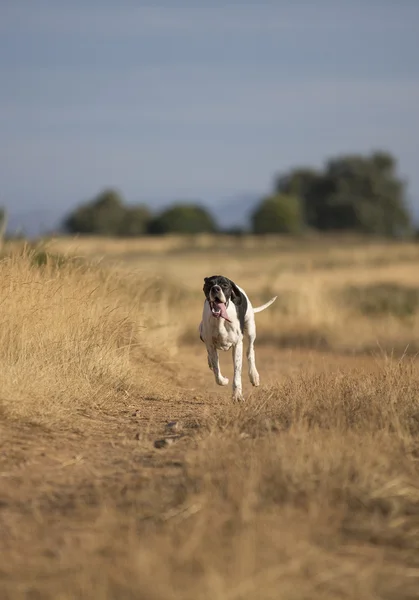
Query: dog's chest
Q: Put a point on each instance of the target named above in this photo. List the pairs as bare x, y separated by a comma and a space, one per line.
223, 340
221, 335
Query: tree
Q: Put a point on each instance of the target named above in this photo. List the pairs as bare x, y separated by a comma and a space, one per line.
107, 215
280, 213
135, 221
183, 218
353, 192
101, 216
300, 182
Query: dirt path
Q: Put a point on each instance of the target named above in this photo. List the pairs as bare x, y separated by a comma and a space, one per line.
56, 485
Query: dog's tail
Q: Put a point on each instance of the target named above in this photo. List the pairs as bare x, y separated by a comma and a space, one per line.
260, 308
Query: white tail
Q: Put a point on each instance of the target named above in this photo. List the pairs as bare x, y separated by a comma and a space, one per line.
260, 308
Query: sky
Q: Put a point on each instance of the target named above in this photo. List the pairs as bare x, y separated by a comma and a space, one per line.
199, 100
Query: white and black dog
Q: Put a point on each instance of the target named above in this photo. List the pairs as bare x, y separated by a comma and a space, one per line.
228, 314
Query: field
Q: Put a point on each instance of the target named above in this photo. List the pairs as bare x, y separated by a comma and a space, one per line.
126, 473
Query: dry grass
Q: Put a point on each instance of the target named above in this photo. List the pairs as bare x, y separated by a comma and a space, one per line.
68, 331
307, 491
317, 282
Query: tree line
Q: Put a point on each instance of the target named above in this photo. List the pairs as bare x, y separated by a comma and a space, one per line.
359, 193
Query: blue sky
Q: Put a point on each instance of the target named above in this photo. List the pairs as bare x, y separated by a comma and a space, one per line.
198, 100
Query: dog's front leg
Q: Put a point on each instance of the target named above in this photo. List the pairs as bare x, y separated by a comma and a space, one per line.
214, 365
237, 362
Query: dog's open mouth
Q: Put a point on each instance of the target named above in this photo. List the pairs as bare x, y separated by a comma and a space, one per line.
219, 309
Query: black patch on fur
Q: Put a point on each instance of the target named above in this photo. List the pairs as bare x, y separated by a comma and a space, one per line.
231, 292
241, 310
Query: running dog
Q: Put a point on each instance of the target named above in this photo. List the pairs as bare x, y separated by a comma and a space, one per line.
227, 316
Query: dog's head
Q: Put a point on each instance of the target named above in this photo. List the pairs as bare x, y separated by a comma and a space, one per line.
219, 291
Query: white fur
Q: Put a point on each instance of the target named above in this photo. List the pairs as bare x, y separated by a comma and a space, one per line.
219, 334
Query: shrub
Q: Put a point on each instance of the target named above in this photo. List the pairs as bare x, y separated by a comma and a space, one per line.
383, 299
183, 218
280, 213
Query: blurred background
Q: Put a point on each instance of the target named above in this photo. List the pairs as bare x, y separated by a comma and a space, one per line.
123, 118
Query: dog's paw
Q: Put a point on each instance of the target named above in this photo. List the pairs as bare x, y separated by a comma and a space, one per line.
237, 396
222, 380
254, 378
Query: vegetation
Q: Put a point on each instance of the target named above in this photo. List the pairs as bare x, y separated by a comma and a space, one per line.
183, 218
352, 193
280, 213
107, 215
378, 299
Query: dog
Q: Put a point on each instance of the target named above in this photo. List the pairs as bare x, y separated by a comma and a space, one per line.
227, 316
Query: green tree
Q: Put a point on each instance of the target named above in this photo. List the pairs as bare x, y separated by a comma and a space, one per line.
135, 221
280, 213
300, 182
353, 192
183, 218
107, 215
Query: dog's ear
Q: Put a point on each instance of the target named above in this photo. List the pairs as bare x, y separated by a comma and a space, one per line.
236, 295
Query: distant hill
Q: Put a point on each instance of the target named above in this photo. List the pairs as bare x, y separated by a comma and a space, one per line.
235, 212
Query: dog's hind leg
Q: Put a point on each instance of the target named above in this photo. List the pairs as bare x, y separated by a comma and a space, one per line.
214, 365
253, 372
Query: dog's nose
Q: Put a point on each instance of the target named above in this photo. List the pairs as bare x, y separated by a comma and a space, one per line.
216, 288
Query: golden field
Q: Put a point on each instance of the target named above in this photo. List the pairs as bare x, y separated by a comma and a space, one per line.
125, 472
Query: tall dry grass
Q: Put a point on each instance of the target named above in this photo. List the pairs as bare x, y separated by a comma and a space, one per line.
69, 328
68, 331
342, 294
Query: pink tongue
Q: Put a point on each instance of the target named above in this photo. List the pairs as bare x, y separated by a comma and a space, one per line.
223, 310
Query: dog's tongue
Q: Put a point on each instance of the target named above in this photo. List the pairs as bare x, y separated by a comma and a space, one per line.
223, 310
